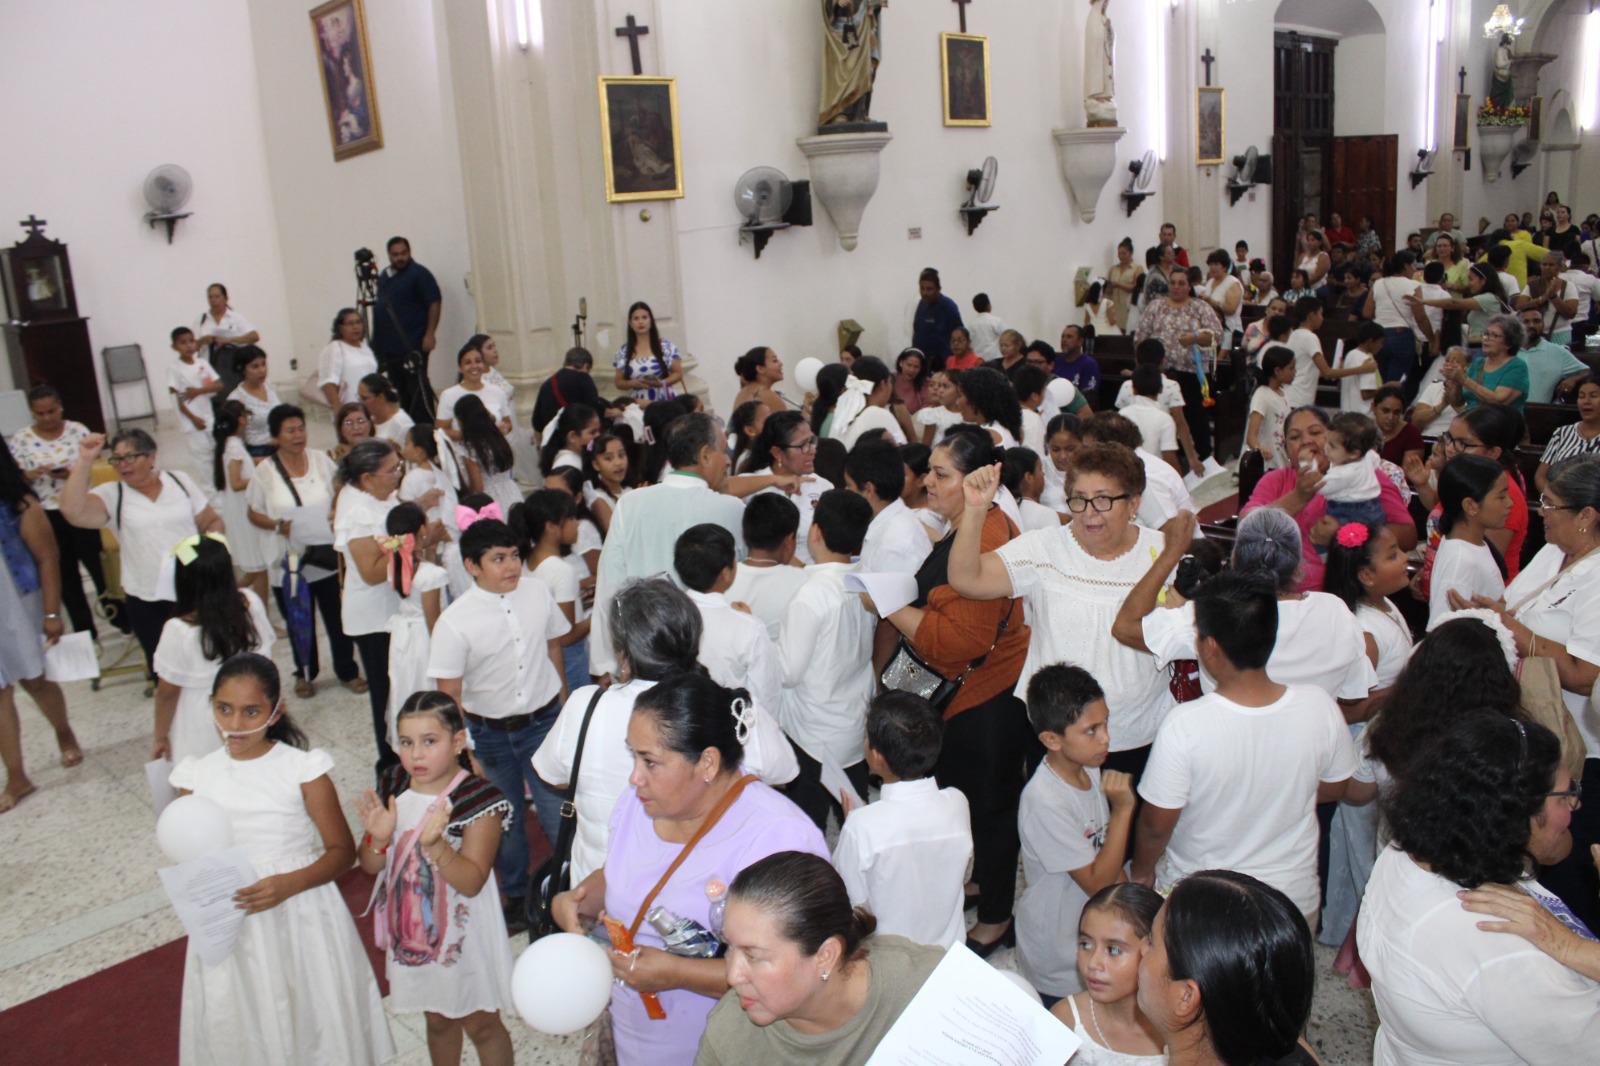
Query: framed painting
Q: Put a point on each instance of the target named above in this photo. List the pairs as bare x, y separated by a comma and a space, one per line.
339, 28
1211, 125
1463, 124
964, 64
639, 138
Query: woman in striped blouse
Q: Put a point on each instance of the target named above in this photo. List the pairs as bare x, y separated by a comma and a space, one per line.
1577, 438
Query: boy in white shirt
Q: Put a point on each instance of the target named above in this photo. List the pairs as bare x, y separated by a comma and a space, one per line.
1356, 390
1030, 382
825, 646
907, 857
896, 541
497, 651
984, 328
1234, 777
1074, 820
192, 382
766, 580
734, 646
1157, 429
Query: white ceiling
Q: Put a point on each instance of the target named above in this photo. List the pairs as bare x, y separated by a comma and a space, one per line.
1336, 18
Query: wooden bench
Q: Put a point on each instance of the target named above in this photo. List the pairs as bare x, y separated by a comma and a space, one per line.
1544, 419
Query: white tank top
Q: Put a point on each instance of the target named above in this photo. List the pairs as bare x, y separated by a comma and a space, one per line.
1093, 1054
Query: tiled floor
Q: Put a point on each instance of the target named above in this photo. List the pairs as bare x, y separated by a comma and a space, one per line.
77, 869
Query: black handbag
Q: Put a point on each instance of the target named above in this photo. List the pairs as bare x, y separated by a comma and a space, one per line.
322, 556
909, 672
554, 875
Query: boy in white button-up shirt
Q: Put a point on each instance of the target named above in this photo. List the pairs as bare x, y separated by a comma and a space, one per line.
907, 857
734, 646
896, 541
825, 646
497, 650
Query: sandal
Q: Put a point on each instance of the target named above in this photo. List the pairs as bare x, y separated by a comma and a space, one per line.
357, 685
304, 689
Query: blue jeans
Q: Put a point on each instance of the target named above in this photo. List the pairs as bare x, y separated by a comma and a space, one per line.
1397, 355
575, 665
507, 758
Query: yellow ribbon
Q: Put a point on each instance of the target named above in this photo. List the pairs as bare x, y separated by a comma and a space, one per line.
187, 548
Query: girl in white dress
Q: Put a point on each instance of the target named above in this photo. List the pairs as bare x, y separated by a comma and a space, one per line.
297, 986
1474, 497
1113, 935
409, 547
232, 470
435, 477
431, 839
487, 452
213, 621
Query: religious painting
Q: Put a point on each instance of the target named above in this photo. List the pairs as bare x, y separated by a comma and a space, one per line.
964, 61
1463, 122
1211, 125
340, 30
639, 136
1535, 118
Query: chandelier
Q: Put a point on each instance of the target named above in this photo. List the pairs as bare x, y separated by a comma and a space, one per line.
1503, 24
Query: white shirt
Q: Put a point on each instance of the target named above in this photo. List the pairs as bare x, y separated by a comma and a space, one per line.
1303, 389
1246, 781
269, 495
1349, 482
1584, 286
906, 858
1351, 388
1072, 599
1003, 435
1565, 610
983, 330
257, 431
1159, 431
232, 325
1164, 495
1451, 994
1036, 515
1389, 307
869, 419
1464, 568
496, 401
343, 365
766, 590
395, 429
499, 646
896, 542
1062, 829
1274, 411
1391, 633
645, 527
150, 529
366, 607
195, 375
1171, 395
1435, 315
561, 575
1058, 396
1033, 432
736, 650
1433, 396
805, 501
939, 417
603, 775
825, 647
1230, 321
1509, 282
1319, 644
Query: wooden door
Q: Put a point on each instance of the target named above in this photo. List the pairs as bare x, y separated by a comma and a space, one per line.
1302, 177
1364, 174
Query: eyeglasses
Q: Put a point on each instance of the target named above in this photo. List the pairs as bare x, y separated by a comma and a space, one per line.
1101, 504
1573, 795
351, 423
1546, 505
125, 457
807, 445
1460, 443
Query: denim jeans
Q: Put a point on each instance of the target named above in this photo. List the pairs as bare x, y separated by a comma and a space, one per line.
508, 760
1398, 354
575, 665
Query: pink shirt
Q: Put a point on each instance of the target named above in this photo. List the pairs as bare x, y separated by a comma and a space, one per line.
1278, 483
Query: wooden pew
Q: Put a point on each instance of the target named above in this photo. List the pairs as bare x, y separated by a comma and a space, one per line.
1545, 418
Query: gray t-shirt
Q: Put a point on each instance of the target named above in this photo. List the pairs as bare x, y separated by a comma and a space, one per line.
899, 967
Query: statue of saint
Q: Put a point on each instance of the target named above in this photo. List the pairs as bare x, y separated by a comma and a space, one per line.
1099, 83
1500, 81
851, 51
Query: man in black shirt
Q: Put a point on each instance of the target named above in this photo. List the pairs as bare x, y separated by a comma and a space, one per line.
573, 383
403, 326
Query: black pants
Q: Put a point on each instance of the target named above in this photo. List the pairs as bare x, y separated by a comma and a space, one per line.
148, 618
1574, 878
988, 752
1131, 762
74, 546
1195, 411
410, 379
808, 792
374, 651
325, 598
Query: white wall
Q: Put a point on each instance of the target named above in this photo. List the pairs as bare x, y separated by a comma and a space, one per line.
103, 93
1360, 67
411, 186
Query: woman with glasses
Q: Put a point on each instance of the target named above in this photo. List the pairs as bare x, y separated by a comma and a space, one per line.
346, 360
787, 447
1484, 298
351, 426
150, 510
1497, 374
1486, 802
1553, 612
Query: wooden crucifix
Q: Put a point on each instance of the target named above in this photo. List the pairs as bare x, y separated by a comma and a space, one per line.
962, 4
33, 224
633, 31
1207, 58
1461, 80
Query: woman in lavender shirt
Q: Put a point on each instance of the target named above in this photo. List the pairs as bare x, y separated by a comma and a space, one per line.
687, 737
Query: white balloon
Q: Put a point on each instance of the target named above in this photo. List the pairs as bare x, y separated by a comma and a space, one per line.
805, 373
1021, 982
561, 983
192, 827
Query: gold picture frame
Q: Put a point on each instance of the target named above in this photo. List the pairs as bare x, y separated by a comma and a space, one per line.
638, 127
339, 33
1210, 125
964, 74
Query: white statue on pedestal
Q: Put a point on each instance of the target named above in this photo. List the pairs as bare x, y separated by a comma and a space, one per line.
1099, 84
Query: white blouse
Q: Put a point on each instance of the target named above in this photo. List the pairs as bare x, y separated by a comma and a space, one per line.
342, 365
1563, 606
366, 607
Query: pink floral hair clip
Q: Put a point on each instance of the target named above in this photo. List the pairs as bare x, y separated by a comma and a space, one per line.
1353, 534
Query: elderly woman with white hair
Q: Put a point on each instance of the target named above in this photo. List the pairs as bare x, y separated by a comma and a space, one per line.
1319, 640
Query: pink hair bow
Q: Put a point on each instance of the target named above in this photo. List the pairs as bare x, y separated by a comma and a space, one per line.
466, 516
401, 551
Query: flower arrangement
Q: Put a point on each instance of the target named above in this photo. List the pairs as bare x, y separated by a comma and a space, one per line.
1490, 114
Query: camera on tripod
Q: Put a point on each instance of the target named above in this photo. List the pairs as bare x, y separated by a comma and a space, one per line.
366, 265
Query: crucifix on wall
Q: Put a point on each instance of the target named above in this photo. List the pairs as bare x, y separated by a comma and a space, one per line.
1207, 58
633, 31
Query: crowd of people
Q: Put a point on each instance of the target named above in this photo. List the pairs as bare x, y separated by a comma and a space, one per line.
964, 588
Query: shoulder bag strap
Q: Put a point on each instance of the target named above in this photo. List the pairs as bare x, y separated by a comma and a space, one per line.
288, 481
1005, 619
569, 810
1536, 593
712, 819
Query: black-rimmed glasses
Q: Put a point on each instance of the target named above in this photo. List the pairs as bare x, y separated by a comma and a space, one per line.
1101, 504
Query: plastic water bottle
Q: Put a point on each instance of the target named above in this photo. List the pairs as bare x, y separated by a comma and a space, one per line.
717, 893
683, 936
